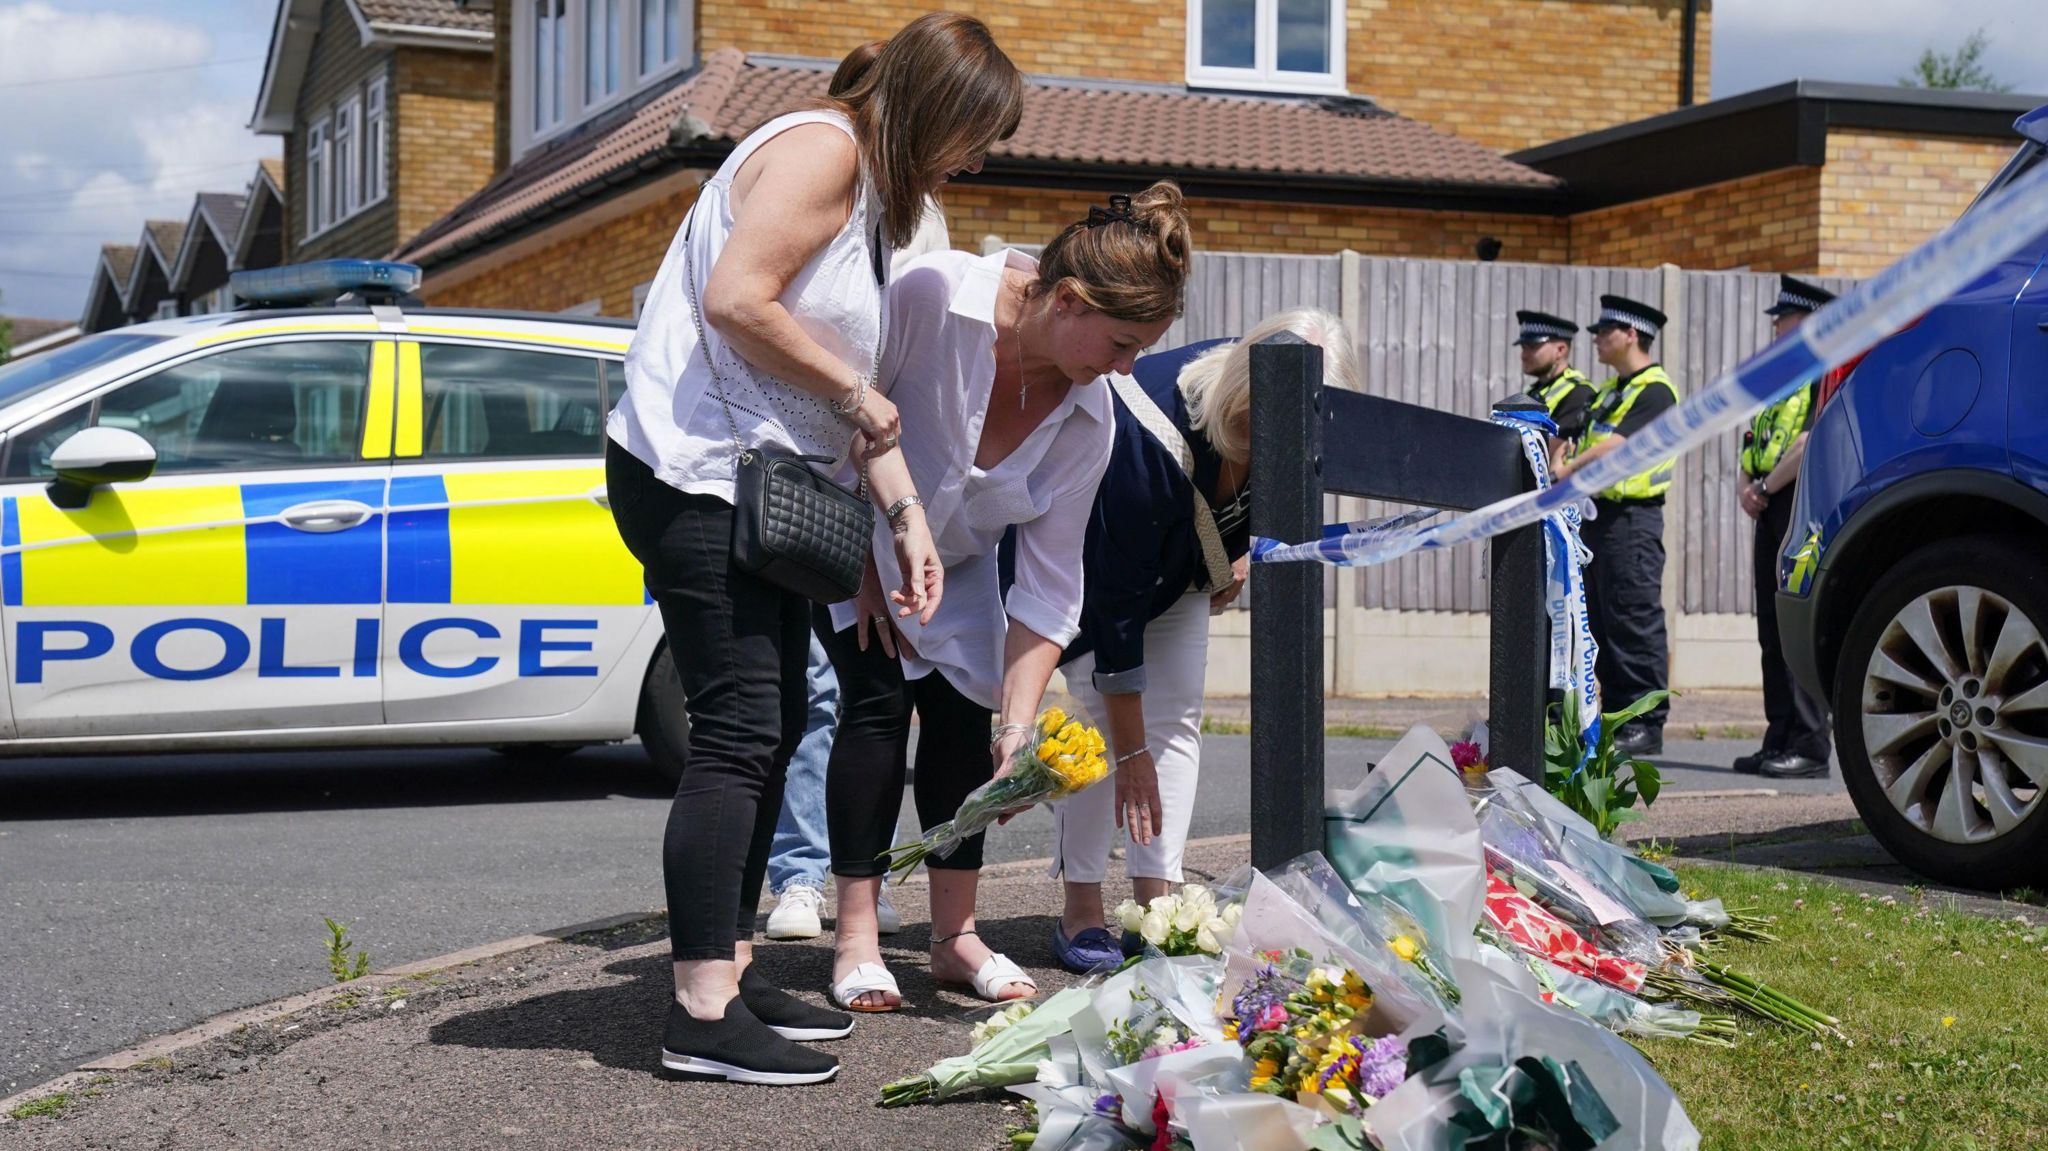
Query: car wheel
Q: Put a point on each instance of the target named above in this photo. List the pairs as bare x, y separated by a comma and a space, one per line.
663, 726
1941, 712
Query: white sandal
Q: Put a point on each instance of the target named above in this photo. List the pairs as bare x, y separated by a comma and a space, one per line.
998, 971
865, 979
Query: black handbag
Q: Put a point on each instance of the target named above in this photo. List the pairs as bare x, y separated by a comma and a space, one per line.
791, 526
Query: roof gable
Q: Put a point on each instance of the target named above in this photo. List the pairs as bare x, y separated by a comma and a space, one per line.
264, 200
109, 277
215, 219
424, 23
157, 249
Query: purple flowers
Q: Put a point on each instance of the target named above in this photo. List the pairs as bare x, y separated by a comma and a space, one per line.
1382, 1065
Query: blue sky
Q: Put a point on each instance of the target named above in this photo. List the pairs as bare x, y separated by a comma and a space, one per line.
84, 163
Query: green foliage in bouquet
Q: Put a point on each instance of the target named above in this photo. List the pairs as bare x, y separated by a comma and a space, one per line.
1605, 791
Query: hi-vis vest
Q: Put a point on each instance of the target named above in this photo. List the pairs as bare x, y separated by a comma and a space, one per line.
1555, 393
1773, 430
1610, 406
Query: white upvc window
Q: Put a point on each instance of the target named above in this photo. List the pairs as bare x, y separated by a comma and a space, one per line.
318, 167
572, 58
661, 35
348, 158
376, 144
1267, 45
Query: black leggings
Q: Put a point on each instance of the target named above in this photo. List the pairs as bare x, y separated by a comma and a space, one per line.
741, 645
864, 784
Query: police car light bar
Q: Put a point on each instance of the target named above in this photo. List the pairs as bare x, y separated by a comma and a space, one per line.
324, 281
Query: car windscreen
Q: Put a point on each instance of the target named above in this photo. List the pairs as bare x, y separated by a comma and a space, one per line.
26, 377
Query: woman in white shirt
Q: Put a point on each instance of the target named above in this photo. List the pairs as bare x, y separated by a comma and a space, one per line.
996, 364
763, 329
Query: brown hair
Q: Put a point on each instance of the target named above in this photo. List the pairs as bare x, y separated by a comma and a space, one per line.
1129, 261
855, 66
938, 95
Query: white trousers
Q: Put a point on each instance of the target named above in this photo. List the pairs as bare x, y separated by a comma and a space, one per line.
1176, 669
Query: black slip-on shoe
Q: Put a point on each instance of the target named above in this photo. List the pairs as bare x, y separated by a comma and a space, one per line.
1639, 741
1753, 763
1792, 766
738, 1049
789, 1016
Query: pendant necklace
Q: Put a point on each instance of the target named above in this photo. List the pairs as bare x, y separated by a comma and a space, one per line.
1017, 338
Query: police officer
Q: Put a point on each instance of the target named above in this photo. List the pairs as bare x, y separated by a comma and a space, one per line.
1546, 343
1796, 740
1625, 581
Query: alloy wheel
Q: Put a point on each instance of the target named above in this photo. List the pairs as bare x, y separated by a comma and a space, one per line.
1955, 714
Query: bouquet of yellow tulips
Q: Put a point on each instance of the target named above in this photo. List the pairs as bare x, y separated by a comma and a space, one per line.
1068, 756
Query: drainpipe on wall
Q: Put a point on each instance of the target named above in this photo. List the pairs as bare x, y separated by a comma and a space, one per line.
1688, 53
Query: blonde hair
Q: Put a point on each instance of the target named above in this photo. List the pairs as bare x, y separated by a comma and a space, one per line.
1217, 384
1130, 263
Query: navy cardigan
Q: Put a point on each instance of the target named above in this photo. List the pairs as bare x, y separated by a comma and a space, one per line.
1142, 554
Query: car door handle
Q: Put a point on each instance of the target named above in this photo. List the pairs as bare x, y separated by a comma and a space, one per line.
600, 495
326, 515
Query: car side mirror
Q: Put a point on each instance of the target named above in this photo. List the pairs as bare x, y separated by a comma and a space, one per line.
92, 457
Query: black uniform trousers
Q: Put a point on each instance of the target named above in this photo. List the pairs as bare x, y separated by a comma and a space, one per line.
1625, 604
1798, 723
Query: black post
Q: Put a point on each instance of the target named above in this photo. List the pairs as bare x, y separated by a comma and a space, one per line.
1287, 609
1518, 681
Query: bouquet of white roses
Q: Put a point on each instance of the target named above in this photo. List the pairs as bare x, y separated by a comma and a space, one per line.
1186, 923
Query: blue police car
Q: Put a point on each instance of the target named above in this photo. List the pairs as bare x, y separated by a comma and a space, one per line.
357, 524
1913, 586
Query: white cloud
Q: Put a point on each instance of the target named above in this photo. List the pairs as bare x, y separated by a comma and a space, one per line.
86, 162
1762, 42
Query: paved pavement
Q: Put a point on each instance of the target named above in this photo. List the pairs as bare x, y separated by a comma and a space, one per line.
143, 894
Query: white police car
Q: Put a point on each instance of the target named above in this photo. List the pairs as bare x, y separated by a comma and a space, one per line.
361, 524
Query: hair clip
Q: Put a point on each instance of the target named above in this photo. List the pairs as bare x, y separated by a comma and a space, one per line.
1119, 211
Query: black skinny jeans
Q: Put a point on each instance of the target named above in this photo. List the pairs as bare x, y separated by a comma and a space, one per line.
741, 645
864, 784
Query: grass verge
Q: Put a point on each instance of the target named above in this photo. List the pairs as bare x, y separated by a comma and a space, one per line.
1944, 1014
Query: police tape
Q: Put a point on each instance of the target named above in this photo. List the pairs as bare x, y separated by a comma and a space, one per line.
1856, 321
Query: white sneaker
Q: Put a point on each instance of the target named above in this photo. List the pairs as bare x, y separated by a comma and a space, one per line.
887, 920
796, 913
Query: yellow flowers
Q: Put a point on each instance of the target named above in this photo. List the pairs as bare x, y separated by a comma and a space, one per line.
1948, 1021
1406, 948
1074, 754
1052, 721
1263, 1072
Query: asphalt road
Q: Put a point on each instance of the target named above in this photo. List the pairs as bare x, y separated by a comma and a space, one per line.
141, 895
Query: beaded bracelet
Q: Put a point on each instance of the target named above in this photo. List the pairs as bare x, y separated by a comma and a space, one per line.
1130, 755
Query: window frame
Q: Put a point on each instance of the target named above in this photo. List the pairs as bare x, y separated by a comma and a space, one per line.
578, 105
319, 153
600, 365
1265, 74
376, 141
92, 400
348, 156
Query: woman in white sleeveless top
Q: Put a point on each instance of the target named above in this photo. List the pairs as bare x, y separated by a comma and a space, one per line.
781, 265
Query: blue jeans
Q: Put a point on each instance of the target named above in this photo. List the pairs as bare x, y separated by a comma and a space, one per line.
801, 853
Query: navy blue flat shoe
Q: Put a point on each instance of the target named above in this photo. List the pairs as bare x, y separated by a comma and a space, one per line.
1086, 951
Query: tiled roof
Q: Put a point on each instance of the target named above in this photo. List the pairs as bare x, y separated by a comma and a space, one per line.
224, 209
273, 167
1068, 124
121, 262
22, 329
168, 235
451, 15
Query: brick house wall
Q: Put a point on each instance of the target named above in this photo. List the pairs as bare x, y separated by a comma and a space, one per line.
1609, 61
606, 261
444, 133
1883, 193
1770, 222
